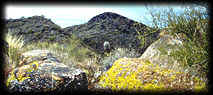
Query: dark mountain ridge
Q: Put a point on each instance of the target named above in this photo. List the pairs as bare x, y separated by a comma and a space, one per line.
120, 31
34, 29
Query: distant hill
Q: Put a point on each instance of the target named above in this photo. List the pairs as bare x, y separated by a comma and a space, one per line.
118, 30
36, 28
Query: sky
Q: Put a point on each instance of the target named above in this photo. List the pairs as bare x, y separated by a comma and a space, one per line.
69, 15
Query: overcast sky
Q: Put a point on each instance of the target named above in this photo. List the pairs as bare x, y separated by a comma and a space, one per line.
68, 15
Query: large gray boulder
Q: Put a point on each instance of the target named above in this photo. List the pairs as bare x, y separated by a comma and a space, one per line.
39, 71
159, 52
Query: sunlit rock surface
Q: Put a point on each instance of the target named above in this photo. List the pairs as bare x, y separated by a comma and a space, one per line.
159, 52
134, 74
39, 71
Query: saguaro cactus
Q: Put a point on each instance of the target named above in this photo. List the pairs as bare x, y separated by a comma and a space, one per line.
106, 46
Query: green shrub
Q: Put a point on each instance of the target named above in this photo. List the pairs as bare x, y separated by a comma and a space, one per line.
193, 23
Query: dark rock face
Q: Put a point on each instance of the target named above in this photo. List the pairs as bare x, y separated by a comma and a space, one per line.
36, 28
40, 72
118, 30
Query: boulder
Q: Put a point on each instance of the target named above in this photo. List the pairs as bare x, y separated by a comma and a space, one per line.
159, 52
39, 71
134, 74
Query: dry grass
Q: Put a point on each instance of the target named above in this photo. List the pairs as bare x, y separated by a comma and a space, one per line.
15, 47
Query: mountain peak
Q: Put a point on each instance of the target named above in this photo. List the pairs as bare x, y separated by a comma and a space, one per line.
110, 14
105, 15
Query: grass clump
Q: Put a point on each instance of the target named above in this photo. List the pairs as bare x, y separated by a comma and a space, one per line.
15, 44
70, 52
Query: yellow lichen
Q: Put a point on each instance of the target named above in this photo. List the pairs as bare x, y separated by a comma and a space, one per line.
121, 80
10, 78
23, 72
137, 74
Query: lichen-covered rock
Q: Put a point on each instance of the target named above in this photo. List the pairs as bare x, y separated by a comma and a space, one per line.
33, 55
138, 74
40, 71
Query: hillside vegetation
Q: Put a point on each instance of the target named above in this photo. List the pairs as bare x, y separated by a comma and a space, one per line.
192, 28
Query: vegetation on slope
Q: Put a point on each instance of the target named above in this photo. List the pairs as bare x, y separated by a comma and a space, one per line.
192, 28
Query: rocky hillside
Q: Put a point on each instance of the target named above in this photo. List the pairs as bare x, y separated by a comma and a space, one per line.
36, 28
120, 31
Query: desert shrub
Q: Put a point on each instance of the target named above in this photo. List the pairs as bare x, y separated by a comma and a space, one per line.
143, 34
193, 23
76, 49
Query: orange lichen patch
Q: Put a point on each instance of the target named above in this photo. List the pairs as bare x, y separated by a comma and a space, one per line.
137, 74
